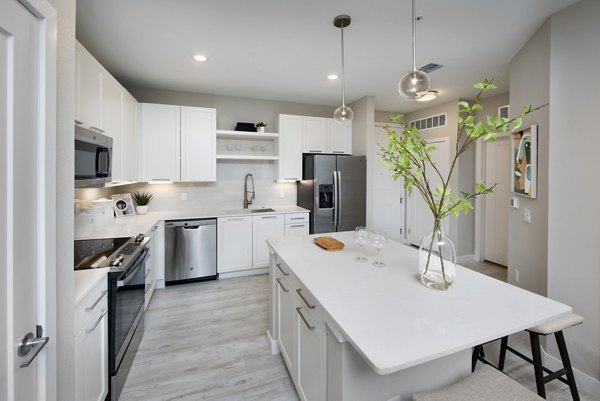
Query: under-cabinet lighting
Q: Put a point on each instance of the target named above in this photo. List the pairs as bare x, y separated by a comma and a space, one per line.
333, 77
200, 57
154, 182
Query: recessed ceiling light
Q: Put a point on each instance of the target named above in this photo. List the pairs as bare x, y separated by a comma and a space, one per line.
200, 57
430, 95
333, 76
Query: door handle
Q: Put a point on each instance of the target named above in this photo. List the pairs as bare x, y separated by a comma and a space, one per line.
30, 346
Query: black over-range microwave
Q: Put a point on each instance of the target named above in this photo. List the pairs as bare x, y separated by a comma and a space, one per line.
93, 158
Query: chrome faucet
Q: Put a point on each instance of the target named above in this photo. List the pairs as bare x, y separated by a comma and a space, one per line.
246, 192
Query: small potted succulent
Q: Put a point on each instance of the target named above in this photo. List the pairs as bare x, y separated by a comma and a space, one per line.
260, 127
142, 199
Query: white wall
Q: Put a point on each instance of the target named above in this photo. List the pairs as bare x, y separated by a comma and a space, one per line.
574, 190
528, 243
64, 197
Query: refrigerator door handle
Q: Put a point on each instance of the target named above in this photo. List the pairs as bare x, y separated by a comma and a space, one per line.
335, 199
339, 197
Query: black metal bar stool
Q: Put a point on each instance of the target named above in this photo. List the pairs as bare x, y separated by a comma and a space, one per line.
553, 327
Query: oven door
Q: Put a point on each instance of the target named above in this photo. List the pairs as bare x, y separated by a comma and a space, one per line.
127, 307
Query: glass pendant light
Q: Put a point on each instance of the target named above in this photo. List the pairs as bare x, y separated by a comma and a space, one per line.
343, 114
415, 83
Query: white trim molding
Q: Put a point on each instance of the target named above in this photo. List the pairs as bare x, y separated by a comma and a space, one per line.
584, 381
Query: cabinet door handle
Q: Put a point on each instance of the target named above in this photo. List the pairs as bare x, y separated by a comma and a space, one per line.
296, 218
96, 128
299, 291
314, 151
89, 308
281, 269
236, 219
104, 312
160, 179
282, 287
310, 327
337, 151
298, 225
268, 217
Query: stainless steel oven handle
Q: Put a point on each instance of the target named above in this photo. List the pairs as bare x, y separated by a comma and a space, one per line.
89, 308
104, 312
142, 256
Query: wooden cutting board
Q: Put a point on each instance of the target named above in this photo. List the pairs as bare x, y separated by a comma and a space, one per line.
329, 244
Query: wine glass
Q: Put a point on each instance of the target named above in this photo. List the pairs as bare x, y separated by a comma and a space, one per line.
378, 240
361, 237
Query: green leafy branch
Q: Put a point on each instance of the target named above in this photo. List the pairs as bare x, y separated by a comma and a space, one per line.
410, 157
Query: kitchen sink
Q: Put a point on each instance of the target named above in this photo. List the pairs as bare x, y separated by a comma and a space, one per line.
263, 210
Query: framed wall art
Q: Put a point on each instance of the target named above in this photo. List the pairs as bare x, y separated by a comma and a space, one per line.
524, 162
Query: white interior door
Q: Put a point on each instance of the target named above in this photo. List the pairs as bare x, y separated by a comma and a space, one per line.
497, 170
388, 206
419, 217
26, 191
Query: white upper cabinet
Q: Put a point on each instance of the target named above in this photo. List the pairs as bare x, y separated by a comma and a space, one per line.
339, 137
325, 135
160, 142
314, 135
112, 115
88, 90
129, 140
289, 165
198, 144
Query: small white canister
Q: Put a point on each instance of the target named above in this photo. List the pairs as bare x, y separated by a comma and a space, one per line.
109, 209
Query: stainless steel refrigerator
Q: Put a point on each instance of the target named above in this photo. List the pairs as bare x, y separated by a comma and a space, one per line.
333, 188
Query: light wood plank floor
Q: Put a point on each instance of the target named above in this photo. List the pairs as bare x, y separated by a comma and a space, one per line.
491, 269
206, 341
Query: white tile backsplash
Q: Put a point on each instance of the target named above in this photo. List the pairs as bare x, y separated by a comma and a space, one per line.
226, 193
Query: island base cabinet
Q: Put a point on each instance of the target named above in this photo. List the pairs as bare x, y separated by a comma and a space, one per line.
311, 345
350, 378
285, 324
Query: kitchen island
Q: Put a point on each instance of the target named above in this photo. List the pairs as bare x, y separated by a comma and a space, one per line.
349, 331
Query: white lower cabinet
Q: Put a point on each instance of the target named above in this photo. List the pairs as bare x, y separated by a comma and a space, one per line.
311, 344
296, 230
263, 228
91, 345
151, 265
234, 244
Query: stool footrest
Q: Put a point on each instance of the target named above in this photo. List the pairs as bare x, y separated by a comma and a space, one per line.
552, 375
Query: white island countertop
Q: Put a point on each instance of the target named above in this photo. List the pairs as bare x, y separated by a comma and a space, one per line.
393, 320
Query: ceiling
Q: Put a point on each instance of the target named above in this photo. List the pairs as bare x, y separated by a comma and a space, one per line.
283, 50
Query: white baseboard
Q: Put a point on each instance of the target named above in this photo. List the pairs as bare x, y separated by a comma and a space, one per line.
466, 258
272, 344
584, 382
241, 273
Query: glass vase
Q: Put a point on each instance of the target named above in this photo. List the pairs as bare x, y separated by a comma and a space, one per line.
437, 259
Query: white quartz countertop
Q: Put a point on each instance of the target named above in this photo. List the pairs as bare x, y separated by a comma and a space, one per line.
393, 320
86, 280
128, 226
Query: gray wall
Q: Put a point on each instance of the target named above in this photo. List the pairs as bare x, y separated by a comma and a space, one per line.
231, 110
528, 243
574, 217
65, 113
363, 124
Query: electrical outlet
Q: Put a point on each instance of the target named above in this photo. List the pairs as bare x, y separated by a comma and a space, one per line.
282, 194
183, 196
517, 276
527, 215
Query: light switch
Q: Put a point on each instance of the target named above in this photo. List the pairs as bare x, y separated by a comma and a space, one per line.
527, 215
184, 196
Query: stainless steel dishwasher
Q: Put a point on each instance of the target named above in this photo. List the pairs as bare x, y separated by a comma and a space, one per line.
190, 251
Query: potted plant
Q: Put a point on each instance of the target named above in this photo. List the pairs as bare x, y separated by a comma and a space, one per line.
260, 127
409, 157
142, 200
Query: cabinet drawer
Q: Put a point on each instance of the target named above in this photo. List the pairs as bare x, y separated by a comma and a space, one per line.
292, 218
91, 304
